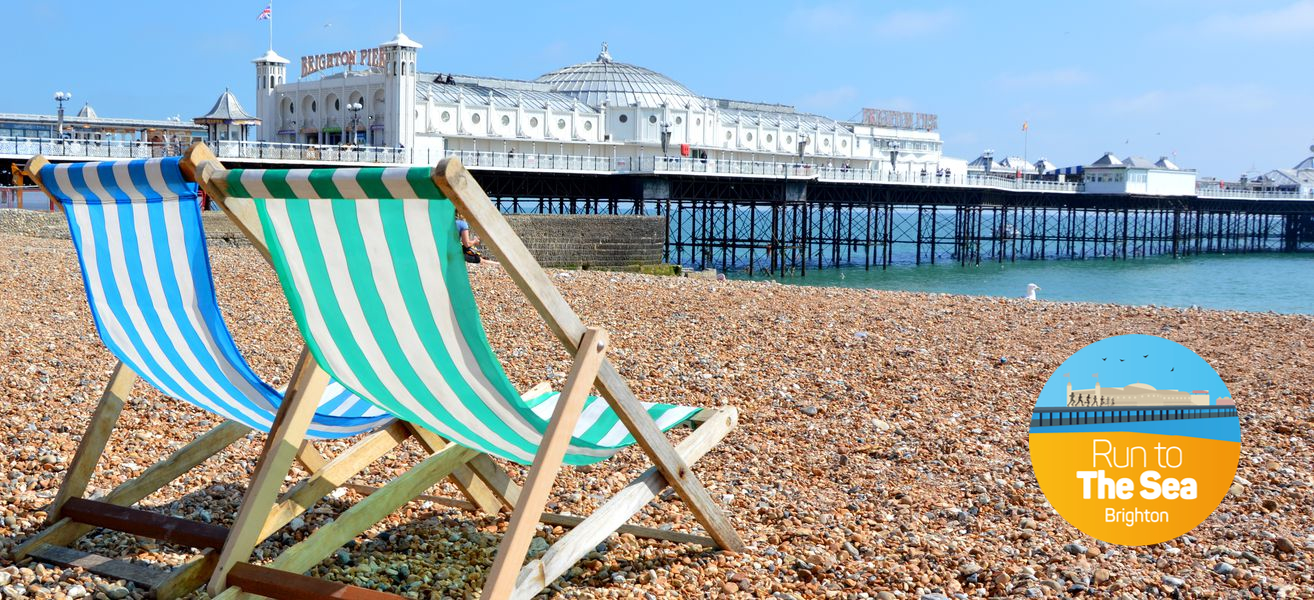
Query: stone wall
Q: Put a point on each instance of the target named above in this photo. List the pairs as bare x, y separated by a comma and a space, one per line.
595, 241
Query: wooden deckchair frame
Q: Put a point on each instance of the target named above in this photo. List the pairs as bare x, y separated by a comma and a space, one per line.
234, 578
70, 516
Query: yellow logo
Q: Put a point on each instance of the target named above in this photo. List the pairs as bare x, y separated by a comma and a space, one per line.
1135, 440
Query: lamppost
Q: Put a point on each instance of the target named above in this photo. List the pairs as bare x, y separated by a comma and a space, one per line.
894, 157
355, 108
666, 137
61, 98
802, 144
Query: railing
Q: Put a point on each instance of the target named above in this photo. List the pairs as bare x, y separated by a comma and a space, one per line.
524, 161
1082, 415
955, 180
298, 152
1214, 192
679, 164
23, 146
29, 197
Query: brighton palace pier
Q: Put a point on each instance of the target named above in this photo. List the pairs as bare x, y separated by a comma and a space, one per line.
740, 184
1135, 394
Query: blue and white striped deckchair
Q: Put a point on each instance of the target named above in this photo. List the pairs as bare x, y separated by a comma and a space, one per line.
372, 269
136, 226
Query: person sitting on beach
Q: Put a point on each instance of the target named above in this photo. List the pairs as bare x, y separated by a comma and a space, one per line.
468, 241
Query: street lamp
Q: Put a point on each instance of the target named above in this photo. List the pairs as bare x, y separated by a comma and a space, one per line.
355, 108
61, 98
894, 157
802, 144
666, 137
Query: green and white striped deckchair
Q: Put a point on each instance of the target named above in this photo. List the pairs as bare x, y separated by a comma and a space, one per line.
371, 265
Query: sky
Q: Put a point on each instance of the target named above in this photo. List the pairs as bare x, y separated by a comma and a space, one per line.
1126, 359
1224, 86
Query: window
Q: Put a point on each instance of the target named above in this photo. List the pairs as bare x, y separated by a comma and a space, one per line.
623, 118
652, 119
789, 139
474, 118
337, 104
729, 135
588, 126
561, 123
826, 142
314, 106
446, 116
698, 122
844, 143
506, 120
679, 120
533, 121
748, 136
769, 138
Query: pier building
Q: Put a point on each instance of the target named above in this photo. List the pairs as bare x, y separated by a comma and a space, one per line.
603, 108
1136, 175
1135, 394
88, 126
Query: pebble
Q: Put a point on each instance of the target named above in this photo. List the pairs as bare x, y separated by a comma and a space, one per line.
915, 419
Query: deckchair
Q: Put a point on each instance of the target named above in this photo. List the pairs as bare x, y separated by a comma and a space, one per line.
137, 230
371, 267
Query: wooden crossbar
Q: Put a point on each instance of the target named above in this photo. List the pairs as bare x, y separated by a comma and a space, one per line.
281, 585
145, 523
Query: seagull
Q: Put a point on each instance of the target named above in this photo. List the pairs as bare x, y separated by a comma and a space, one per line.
1104, 359
1122, 360
1146, 356
1031, 291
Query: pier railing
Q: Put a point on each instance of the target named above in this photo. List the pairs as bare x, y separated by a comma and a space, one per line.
1214, 192
1082, 415
19, 147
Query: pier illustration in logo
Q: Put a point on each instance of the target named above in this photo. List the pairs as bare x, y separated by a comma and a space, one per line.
1145, 459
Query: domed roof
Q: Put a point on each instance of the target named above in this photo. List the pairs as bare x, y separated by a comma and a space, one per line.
1139, 386
619, 84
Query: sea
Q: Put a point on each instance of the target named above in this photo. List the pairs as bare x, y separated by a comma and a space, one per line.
1260, 282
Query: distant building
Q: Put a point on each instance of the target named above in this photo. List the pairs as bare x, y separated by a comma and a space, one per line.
1136, 175
89, 126
227, 120
1135, 394
1298, 180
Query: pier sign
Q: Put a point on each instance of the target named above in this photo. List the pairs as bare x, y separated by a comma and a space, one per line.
372, 57
1135, 440
897, 119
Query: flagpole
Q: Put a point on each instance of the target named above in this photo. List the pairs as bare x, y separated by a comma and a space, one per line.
271, 25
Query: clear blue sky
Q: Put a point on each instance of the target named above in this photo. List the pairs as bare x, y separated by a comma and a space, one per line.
1225, 85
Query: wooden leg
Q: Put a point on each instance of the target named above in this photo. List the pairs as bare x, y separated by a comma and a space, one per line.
93, 441
332, 475
547, 463
610, 516
372, 509
474, 489
66, 531
281, 445
310, 457
681, 478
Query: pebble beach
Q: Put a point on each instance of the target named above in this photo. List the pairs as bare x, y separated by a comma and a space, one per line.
881, 450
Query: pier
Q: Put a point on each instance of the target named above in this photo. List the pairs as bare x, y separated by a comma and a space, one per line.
786, 218
1063, 416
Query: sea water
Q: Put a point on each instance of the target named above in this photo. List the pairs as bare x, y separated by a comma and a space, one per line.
1261, 282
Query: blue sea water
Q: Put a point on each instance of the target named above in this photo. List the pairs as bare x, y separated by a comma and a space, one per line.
1282, 283
1226, 429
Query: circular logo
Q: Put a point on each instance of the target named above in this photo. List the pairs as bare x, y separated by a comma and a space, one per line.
1135, 440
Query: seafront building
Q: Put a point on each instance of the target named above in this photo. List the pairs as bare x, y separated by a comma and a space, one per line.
1135, 394
87, 126
599, 108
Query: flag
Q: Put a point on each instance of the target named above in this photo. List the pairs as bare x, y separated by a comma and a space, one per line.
266, 14
1095, 375
1024, 126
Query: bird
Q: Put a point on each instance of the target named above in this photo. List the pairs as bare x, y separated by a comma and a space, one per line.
1146, 356
1122, 360
1104, 359
1031, 291
1172, 369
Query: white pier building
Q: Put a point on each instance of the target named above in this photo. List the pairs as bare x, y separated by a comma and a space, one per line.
603, 108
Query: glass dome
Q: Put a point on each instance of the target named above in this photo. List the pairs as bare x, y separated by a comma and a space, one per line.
619, 84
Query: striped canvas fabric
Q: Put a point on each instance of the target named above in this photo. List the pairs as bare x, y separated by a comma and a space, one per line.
137, 229
371, 265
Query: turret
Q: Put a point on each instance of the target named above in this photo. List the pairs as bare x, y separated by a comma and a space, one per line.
399, 117
271, 72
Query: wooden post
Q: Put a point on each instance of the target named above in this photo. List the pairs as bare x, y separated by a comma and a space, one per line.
93, 441
470, 199
547, 463
281, 446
